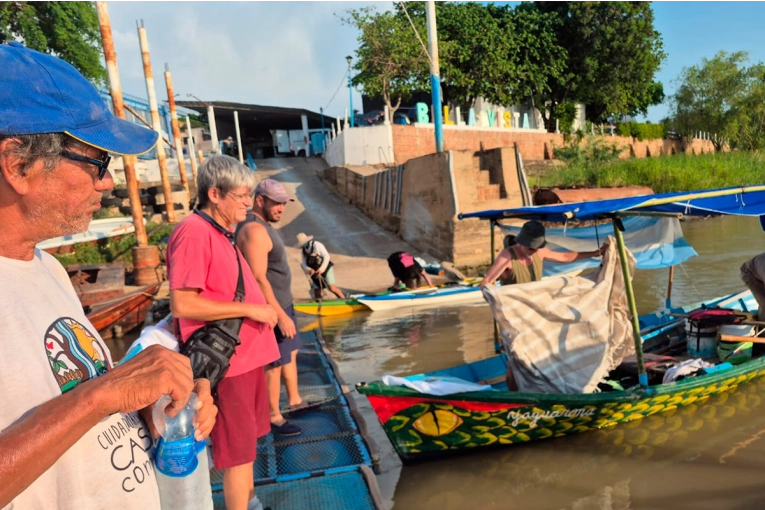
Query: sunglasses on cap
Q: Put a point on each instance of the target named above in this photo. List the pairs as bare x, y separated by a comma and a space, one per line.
102, 164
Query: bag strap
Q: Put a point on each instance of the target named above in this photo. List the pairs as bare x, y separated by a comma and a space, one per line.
239, 294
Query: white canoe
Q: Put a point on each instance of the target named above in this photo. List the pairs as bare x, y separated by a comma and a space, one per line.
98, 229
424, 297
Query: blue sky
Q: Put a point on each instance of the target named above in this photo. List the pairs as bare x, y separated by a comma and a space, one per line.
692, 31
293, 53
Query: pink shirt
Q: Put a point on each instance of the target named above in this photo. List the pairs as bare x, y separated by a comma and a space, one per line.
200, 257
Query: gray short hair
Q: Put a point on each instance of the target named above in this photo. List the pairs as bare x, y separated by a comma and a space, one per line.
45, 146
224, 173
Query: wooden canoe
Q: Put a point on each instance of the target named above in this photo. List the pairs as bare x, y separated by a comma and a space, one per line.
422, 425
126, 312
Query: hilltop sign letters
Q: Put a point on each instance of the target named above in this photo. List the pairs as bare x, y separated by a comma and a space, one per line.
488, 118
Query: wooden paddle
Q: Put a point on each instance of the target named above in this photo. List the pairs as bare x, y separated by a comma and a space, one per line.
736, 338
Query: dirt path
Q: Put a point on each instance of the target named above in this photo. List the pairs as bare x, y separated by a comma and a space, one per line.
358, 246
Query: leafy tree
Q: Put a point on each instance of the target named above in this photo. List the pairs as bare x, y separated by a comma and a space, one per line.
69, 30
390, 60
710, 97
613, 53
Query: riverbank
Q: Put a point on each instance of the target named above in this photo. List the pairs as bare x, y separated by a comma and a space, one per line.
663, 174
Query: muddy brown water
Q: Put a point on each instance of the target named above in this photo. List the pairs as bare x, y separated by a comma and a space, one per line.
710, 456
706, 456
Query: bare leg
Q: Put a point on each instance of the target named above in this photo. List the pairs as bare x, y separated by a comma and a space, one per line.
758, 291
290, 376
273, 382
238, 486
336, 291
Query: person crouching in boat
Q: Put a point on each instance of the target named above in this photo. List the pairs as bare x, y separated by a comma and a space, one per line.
753, 275
406, 270
522, 261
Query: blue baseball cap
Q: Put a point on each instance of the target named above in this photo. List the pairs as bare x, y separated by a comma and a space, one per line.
40, 93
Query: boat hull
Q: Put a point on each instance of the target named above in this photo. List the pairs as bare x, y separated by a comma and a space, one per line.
122, 314
438, 297
330, 308
423, 426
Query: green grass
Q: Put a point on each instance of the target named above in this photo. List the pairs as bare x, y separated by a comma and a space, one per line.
109, 250
663, 174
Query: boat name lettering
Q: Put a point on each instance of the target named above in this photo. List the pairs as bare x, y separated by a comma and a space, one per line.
534, 416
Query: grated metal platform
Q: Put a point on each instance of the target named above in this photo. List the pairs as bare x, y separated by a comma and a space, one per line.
328, 464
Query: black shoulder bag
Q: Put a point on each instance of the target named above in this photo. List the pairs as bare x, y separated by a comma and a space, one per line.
211, 347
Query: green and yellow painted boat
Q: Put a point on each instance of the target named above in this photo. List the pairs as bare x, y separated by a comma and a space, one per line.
422, 425
330, 308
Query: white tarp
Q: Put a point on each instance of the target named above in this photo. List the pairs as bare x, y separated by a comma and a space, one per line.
564, 334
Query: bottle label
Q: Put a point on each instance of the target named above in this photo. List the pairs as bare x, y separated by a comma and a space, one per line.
176, 458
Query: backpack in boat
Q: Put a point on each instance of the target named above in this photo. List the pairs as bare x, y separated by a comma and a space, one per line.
312, 258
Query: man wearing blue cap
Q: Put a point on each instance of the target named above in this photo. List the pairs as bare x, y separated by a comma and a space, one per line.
70, 436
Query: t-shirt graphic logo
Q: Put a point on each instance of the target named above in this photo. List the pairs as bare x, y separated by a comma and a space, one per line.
74, 353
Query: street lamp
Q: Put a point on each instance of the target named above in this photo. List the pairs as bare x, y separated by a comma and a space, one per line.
350, 87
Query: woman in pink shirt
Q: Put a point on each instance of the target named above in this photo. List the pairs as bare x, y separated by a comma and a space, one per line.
203, 272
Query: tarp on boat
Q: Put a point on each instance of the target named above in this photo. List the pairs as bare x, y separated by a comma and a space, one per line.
655, 243
741, 201
565, 334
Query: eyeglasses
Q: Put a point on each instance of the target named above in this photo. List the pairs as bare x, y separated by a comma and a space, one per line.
102, 164
239, 196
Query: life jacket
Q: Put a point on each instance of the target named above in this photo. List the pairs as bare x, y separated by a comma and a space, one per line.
712, 317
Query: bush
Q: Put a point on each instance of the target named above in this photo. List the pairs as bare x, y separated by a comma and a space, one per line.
641, 130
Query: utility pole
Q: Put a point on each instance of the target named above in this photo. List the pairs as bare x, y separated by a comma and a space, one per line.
115, 90
152, 94
176, 131
435, 82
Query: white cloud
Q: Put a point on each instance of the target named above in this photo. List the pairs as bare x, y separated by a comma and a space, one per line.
270, 53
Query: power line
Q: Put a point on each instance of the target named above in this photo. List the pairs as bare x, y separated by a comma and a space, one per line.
338, 89
417, 34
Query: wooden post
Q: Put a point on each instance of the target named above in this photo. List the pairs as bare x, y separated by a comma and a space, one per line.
176, 131
152, 94
115, 89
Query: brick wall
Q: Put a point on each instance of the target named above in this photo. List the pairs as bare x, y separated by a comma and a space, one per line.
411, 142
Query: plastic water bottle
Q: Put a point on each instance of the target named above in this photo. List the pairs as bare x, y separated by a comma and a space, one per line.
183, 473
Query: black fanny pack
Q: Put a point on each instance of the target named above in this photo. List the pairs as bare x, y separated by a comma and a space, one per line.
211, 347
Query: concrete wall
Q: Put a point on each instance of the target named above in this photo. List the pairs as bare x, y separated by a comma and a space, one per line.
419, 139
367, 145
420, 200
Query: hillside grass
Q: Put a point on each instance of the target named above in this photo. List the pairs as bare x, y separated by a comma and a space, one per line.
662, 174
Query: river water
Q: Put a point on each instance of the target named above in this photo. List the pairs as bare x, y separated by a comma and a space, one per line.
710, 456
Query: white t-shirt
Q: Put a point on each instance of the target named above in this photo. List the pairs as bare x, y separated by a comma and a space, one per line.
47, 347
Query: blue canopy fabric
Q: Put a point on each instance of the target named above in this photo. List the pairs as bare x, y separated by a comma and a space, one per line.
741, 201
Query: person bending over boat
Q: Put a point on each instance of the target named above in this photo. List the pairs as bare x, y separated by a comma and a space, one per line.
753, 275
522, 261
406, 270
317, 264
70, 434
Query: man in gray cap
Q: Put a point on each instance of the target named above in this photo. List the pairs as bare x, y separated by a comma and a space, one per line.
523, 261
263, 248
70, 435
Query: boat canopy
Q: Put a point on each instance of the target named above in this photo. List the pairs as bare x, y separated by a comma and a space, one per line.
741, 201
